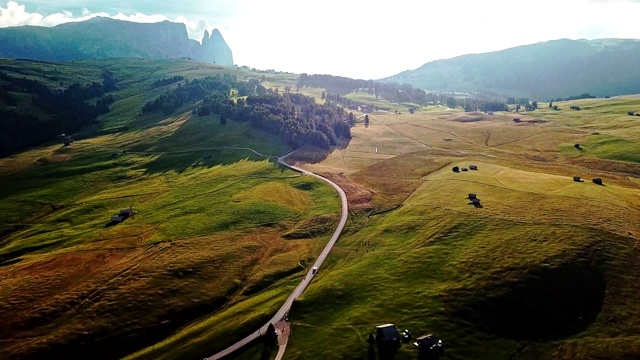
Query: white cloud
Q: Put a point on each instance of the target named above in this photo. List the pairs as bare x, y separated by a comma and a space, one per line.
15, 14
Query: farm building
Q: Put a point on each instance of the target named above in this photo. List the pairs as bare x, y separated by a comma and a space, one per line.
126, 212
117, 219
387, 336
430, 347
122, 216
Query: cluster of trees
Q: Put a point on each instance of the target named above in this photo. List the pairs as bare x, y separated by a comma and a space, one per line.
199, 89
68, 110
337, 87
528, 105
577, 97
520, 101
472, 104
296, 118
191, 91
167, 81
387, 90
337, 98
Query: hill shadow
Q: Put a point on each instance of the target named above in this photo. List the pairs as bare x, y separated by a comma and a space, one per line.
313, 154
181, 161
546, 304
202, 142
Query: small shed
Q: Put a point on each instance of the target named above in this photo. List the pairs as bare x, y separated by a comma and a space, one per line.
429, 344
387, 336
597, 181
472, 196
473, 167
126, 212
475, 202
577, 179
117, 219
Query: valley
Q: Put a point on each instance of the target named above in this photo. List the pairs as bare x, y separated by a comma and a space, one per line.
541, 267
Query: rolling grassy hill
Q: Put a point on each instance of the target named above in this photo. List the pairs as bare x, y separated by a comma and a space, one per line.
542, 71
206, 242
544, 268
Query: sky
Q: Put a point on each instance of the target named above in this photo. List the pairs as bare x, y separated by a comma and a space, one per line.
354, 38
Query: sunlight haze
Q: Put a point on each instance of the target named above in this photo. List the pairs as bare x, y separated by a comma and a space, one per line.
354, 38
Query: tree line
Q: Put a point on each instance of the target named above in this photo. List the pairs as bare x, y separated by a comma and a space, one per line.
337, 87
294, 117
389, 91
68, 110
167, 81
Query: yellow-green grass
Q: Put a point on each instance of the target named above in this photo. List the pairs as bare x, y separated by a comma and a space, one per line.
539, 245
433, 262
179, 211
205, 244
437, 245
217, 331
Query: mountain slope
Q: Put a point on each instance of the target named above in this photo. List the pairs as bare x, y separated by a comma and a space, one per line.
109, 38
543, 71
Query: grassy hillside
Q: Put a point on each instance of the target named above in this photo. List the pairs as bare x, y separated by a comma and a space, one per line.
205, 245
543, 268
542, 71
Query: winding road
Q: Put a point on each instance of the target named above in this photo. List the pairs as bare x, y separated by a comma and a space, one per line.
308, 277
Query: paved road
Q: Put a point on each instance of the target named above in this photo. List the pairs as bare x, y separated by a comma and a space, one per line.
307, 279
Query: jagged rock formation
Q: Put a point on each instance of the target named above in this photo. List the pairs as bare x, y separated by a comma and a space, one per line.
109, 38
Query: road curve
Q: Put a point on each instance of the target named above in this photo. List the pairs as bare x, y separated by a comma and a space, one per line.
308, 277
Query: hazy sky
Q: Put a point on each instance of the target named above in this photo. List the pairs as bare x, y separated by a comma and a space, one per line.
354, 38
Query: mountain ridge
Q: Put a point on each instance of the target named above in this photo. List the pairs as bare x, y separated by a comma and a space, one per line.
102, 37
545, 70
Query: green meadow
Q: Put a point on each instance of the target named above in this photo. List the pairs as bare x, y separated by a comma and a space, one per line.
206, 246
542, 268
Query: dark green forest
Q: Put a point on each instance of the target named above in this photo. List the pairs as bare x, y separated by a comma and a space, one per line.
68, 111
296, 118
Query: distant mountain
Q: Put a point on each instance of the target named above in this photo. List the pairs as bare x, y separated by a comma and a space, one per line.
543, 71
109, 38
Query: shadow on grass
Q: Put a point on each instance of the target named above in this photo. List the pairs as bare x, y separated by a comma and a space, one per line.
314, 155
544, 304
180, 162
